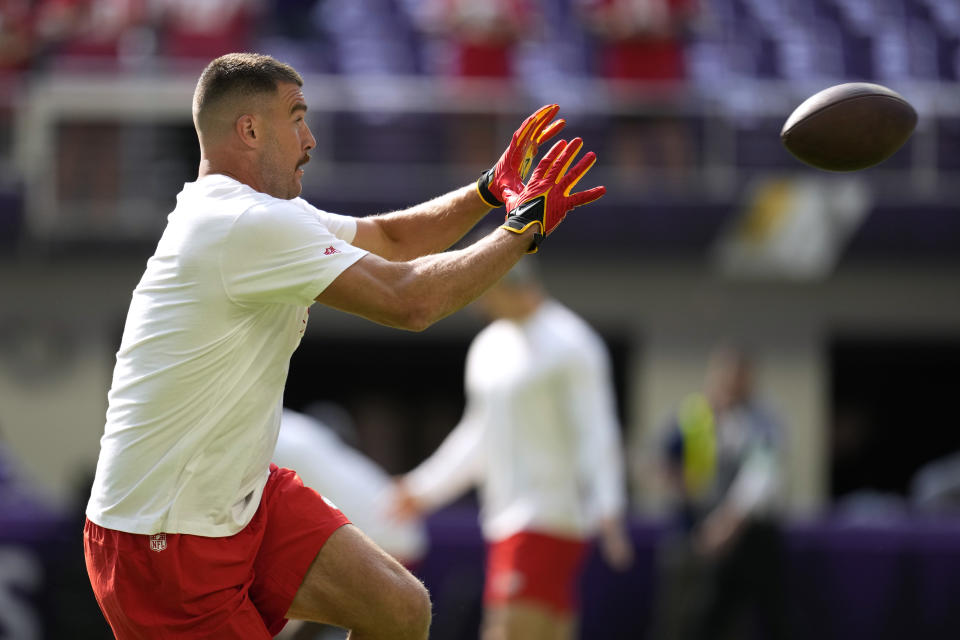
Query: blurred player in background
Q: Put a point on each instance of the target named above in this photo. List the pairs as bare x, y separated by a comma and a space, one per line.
313, 443
191, 532
540, 438
338, 471
722, 457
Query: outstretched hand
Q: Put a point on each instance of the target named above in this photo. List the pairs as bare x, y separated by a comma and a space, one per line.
546, 199
614, 543
402, 506
514, 165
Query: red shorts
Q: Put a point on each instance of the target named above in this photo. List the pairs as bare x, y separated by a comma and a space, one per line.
535, 567
186, 586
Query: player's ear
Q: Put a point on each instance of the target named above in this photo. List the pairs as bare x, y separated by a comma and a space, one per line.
247, 128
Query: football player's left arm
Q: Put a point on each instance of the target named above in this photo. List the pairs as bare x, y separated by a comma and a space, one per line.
426, 228
437, 224
593, 409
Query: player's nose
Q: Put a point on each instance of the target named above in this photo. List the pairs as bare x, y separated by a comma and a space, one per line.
309, 142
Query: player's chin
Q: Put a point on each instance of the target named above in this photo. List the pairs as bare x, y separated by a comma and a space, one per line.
296, 187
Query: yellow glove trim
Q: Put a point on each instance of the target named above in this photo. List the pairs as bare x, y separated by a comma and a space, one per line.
568, 163
525, 227
566, 192
476, 185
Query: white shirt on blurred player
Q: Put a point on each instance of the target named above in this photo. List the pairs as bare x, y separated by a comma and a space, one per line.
539, 435
194, 407
360, 488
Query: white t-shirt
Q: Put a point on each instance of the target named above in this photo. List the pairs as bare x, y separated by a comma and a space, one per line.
195, 403
360, 488
539, 435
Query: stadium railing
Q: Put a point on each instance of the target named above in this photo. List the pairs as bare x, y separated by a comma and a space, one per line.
387, 140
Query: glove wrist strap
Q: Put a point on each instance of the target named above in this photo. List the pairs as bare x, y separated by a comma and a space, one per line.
525, 216
483, 190
534, 243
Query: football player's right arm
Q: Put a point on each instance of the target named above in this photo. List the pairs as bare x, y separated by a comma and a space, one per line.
456, 465
413, 295
416, 293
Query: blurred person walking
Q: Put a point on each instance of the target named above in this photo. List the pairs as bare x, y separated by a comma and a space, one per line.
722, 460
540, 438
191, 532
360, 488
314, 442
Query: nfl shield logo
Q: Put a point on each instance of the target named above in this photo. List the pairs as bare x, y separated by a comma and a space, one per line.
158, 542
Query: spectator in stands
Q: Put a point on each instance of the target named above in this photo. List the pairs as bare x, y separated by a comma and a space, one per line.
194, 32
477, 41
642, 41
480, 37
94, 34
540, 439
639, 39
722, 458
17, 50
16, 36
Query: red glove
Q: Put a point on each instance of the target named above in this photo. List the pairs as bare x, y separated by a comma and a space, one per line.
514, 165
546, 199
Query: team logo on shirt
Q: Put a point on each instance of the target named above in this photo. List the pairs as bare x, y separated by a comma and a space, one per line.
508, 583
158, 542
329, 251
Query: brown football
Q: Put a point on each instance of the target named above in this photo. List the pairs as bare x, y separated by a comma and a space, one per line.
849, 126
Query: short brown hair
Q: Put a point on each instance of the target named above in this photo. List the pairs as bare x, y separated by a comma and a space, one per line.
237, 75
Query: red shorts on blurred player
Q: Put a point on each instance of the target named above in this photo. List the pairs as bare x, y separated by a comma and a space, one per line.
186, 586
536, 568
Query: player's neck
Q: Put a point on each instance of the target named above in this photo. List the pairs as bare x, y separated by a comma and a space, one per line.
209, 167
527, 307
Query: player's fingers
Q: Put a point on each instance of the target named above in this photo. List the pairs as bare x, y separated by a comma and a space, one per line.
522, 132
548, 160
551, 130
526, 140
585, 197
523, 147
570, 179
534, 122
541, 117
563, 161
